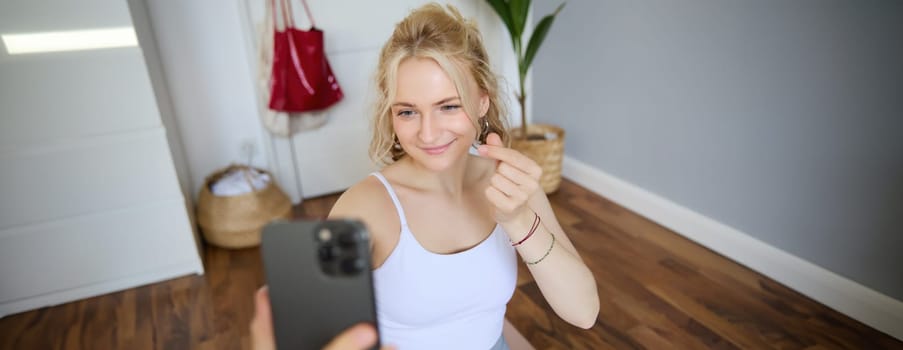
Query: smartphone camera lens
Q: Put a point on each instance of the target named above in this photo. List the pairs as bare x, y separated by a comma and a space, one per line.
353, 265
328, 252
349, 238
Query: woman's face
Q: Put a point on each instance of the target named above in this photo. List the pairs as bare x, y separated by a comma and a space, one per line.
428, 115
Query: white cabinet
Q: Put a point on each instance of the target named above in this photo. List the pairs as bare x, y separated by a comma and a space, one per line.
90, 202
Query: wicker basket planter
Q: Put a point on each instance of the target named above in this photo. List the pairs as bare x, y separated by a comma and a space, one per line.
547, 152
236, 221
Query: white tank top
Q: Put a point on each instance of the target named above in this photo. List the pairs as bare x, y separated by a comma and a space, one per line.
435, 301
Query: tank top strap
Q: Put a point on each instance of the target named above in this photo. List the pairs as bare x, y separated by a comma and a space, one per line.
398, 208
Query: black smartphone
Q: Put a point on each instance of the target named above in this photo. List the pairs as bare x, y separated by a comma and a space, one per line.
319, 279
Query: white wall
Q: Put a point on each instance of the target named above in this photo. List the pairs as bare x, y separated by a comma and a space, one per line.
205, 66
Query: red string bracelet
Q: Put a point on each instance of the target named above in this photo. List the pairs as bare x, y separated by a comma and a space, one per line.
532, 230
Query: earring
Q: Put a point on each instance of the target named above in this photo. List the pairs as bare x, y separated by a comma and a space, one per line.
484, 131
396, 145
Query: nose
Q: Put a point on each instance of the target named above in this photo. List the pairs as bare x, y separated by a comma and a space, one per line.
429, 130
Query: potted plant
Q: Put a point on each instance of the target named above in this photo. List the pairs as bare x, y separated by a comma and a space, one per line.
542, 143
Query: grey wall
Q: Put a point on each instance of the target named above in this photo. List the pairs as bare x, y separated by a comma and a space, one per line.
779, 118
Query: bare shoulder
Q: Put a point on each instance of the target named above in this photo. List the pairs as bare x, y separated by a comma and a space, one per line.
358, 199
369, 202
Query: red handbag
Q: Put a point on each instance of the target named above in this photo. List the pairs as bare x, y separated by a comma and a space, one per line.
302, 79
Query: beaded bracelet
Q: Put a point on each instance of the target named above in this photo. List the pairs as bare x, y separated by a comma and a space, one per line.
544, 255
536, 222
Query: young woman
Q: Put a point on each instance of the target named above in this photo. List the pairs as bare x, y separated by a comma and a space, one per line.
447, 225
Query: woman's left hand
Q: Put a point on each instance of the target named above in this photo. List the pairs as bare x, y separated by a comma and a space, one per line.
515, 181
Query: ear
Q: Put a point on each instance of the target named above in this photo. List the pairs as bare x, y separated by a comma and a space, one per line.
484, 105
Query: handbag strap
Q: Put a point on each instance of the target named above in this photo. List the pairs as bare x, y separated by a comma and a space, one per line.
309, 15
279, 6
286, 8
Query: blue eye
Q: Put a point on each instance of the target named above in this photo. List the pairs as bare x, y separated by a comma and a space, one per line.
450, 107
405, 113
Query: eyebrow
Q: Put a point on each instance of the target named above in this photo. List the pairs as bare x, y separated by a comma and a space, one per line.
442, 101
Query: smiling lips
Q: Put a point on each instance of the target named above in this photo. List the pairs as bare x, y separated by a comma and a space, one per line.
437, 150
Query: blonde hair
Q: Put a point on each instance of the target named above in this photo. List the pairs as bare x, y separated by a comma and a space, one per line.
444, 35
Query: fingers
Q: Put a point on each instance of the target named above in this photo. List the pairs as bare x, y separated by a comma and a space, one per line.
509, 156
262, 337
494, 139
506, 186
500, 201
358, 337
515, 180
517, 176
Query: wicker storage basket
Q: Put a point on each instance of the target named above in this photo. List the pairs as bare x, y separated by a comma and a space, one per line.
236, 221
548, 153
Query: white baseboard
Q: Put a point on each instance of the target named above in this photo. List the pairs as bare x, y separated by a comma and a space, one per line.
844, 295
64, 296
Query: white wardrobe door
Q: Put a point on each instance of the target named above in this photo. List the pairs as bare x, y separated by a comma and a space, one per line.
89, 198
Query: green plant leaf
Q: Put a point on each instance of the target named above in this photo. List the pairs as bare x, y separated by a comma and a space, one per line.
519, 11
539, 34
501, 9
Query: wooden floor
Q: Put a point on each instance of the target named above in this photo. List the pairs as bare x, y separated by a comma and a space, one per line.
658, 291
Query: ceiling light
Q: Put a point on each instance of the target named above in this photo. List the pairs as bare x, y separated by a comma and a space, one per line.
70, 40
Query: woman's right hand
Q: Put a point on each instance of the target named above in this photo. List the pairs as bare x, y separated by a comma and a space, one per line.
359, 337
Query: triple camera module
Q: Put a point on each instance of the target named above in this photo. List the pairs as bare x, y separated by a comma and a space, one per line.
342, 249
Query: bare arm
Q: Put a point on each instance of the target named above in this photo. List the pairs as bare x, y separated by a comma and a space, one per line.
565, 281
